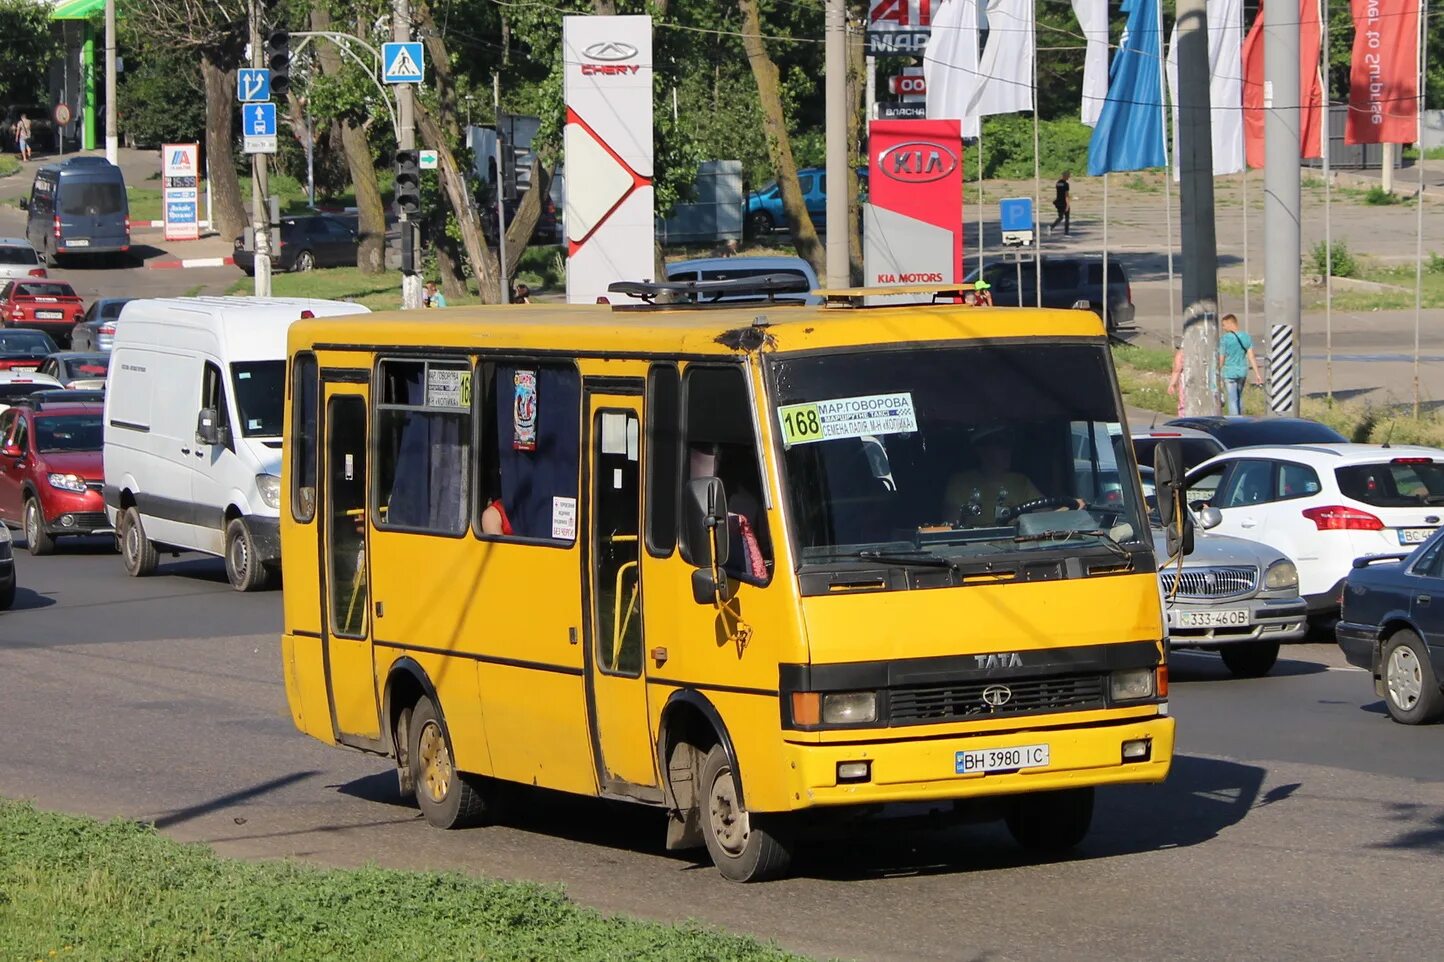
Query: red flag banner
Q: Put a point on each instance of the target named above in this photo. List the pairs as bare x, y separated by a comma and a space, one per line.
1311, 93
1384, 75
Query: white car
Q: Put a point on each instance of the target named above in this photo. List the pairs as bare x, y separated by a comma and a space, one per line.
18, 259
1323, 505
19, 384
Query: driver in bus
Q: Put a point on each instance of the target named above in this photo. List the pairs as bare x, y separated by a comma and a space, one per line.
980, 496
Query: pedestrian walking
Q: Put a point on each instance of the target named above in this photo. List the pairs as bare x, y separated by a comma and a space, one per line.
21, 130
1063, 205
522, 295
1235, 360
1175, 379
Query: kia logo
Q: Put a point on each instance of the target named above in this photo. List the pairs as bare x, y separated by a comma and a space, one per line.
917, 162
610, 51
996, 696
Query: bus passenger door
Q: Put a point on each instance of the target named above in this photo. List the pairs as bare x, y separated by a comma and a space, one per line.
350, 674
616, 669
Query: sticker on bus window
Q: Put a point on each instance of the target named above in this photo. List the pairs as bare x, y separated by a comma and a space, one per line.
848, 417
523, 412
564, 519
448, 388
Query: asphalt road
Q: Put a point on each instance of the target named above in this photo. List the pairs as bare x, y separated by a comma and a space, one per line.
1299, 822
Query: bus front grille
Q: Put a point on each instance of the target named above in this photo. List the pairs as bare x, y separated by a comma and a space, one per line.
996, 699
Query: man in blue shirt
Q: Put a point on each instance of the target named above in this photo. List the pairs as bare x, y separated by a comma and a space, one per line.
1235, 360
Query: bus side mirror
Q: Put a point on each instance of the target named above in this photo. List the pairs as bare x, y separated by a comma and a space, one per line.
704, 539
1168, 483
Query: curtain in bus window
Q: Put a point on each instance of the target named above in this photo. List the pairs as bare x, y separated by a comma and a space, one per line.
531, 479
431, 467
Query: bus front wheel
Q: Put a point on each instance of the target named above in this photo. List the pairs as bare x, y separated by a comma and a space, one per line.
448, 798
1051, 821
745, 846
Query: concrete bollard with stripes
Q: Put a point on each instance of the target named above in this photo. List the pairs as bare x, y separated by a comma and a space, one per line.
1281, 369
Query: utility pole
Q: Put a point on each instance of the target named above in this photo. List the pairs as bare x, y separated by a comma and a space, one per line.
406, 140
835, 57
1200, 246
112, 142
505, 278
1282, 201
260, 215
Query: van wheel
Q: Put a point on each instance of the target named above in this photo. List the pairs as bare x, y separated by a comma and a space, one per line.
137, 552
448, 798
243, 569
1411, 690
1251, 659
745, 846
1051, 821
36, 538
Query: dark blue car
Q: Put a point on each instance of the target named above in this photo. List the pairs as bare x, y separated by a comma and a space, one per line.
1392, 624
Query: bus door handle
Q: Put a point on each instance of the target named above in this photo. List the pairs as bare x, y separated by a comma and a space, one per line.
659, 655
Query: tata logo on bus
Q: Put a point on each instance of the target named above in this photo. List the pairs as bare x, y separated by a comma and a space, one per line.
608, 55
917, 162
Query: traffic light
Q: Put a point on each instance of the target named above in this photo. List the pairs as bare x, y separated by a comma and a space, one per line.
408, 182
278, 59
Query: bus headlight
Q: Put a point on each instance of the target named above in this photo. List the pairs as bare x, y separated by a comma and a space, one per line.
1131, 685
270, 487
1281, 574
849, 707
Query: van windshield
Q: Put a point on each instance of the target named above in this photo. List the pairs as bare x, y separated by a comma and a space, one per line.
91, 197
260, 396
955, 454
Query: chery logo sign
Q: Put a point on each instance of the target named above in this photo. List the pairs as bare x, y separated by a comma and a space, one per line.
608, 54
917, 162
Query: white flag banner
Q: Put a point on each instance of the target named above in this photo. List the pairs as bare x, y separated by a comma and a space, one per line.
1093, 19
950, 64
1006, 84
1225, 85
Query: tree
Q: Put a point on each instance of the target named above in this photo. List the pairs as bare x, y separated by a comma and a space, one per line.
28, 45
156, 100
216, 31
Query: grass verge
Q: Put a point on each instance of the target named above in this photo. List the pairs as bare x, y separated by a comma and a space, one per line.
8, 165
379, 292
74, 888
1144, 383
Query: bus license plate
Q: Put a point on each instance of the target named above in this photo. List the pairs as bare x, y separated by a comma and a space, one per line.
1228, 618
980, 761
1414, 535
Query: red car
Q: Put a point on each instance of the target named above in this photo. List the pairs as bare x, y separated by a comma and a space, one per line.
49, 306
51, 477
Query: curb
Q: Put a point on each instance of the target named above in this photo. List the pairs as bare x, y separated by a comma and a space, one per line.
192, 262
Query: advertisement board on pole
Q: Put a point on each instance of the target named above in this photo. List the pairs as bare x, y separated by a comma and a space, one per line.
180, 191
610, 224
913, 227
899, 27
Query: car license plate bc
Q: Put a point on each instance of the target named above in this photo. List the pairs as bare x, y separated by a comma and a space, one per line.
980, 761
1414, 535
50, 315
1228, 618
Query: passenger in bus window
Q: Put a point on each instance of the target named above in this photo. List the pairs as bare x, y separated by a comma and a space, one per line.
494, 520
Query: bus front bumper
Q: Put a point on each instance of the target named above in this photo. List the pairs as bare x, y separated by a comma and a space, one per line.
927, 769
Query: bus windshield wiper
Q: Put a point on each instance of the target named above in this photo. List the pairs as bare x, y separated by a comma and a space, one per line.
1066, 534
900, 558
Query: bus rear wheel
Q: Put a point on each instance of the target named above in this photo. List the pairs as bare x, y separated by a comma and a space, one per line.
745, 846
1051, 821
448, 798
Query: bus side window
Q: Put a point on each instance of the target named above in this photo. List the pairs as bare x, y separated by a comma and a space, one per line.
304, 408
664, 457
720, 443
528, 450
423, 442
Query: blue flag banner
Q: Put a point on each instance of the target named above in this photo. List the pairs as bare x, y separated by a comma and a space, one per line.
1129, 133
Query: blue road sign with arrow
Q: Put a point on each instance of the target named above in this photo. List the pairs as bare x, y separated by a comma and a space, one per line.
258, 128
253, 85
402, 63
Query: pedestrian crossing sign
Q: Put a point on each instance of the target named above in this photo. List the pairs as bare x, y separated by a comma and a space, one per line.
402, 63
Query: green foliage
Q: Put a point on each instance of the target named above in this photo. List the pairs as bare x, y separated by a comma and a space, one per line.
28, 46
8, 165
160, 97
1008, 148
1379, 197
1343, 262
1435, 264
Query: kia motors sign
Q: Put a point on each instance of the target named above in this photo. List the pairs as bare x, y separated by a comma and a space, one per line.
607, 141
913, 223
899, 27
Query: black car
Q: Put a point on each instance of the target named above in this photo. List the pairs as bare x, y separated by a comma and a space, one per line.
1243, 430
1067, 281
311, 240
96, 330
1391, 625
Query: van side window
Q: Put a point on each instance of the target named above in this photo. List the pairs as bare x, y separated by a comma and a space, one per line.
304, 409
213, 396
664, 457
528, 450
721, 443
423, 446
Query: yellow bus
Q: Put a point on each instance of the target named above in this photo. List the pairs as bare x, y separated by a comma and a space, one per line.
738, 563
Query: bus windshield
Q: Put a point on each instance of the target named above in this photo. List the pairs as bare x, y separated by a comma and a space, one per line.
948, 455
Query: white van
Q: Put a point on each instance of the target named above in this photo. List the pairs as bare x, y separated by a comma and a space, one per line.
194, 406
